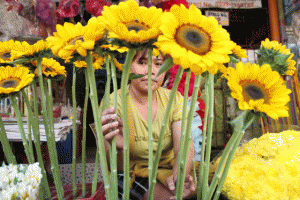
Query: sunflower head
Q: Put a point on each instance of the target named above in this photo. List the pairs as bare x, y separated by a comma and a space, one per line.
13, 79
238, 52
71, 38
51, 68
278, 56
131, 24
259, 88
12, 50
98, 62
193, 40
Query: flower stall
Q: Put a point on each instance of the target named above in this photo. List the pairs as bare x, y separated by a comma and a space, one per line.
203, 54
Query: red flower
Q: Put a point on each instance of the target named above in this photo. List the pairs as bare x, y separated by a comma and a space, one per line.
67, 9
168, 4
95, 7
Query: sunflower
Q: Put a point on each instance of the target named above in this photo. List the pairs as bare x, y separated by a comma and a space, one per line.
98, 61
13, 79
114, 48
194, 40
34, 50
10, 50
50, 67
239, 52
278, 56
131, 23
70, 38
259, 88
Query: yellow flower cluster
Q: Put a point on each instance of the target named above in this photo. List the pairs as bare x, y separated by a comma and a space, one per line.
266, 168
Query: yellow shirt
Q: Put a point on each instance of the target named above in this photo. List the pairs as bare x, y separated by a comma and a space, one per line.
139, 163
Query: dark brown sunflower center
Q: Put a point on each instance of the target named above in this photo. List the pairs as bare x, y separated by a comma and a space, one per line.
6, 56
252, 90
73, 40
10, 82
193, 38
136, 26
48, 69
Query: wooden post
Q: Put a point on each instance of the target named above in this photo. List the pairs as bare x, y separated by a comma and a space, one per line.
274, 22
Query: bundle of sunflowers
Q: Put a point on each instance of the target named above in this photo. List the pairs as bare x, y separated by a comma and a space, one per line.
187, 38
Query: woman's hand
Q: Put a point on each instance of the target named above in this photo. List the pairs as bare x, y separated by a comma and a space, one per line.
188, 189
112, 127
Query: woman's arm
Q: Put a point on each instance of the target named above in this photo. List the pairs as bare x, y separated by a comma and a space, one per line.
171, 181
112, 127
176, 132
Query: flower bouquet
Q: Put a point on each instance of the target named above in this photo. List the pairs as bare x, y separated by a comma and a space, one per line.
265, 168
20, 181
187, 38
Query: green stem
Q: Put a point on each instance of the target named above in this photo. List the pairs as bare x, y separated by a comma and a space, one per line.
49, 97
50, 135
113, 161
229, 152
209, 131
29, 135
150, 134
83, 166
74, 132
179, 184
227, 166
163, 129
98, 124
20, 124
11, 159
36, 134
95, 180
124, 90
202, 162
188, 136
104, 106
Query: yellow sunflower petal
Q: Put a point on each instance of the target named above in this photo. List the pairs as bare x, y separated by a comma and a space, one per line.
260, 88
13, 79
187, 30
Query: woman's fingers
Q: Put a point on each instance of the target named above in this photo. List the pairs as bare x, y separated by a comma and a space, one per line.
108, 127
111, 134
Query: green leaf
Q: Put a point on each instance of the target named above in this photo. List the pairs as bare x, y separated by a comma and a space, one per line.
233, 59
168, 64
135, 76
244, 120
281, 58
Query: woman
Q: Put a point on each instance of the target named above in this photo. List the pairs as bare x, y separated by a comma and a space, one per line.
137, 107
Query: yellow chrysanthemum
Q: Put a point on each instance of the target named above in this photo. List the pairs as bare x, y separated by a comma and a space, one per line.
194, 40
70, 38
127, 21
239, 52
278, 56
98, 61
265, 168
50, 67
13, 79
10, 50
259, 88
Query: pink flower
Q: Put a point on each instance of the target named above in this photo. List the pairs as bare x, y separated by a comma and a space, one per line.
95, 7
67, 9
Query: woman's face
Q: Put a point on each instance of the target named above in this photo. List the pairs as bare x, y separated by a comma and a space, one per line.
140, 66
